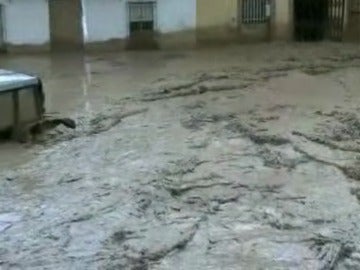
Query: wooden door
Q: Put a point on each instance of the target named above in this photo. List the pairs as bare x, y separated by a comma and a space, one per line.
66, 24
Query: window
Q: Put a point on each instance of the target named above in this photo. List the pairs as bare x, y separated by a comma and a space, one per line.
141, 16
254, 11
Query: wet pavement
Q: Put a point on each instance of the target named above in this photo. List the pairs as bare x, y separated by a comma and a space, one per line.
244, 157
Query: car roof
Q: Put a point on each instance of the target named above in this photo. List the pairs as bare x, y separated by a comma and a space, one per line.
10, 80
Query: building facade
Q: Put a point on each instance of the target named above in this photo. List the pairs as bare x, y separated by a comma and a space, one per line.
352, 32
24, 24
118, 24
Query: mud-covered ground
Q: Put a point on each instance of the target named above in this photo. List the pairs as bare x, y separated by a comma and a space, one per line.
234, 158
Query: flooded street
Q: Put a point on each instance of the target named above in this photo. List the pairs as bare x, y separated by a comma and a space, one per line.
245, 157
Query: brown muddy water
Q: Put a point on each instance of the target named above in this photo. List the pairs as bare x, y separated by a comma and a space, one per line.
246, 157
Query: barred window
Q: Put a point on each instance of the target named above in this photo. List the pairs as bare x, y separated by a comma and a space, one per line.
141, 11
254, 11
141, 16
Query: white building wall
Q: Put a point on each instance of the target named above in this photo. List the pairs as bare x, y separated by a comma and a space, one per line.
26, 22
176, 15
107, 19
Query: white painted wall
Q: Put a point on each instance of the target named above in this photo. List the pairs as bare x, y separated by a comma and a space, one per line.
176, 15
26, 22
107, 19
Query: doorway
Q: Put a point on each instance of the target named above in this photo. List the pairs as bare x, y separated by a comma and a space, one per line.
142, 25
316, 20
2, 28
66, 31
310, 19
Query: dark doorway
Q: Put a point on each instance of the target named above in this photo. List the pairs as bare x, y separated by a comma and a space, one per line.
317, 20
310, 19
66, 24
2, 36
142, 25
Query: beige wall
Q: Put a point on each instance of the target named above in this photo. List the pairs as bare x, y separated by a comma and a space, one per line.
282, 20
216, 20
212, 13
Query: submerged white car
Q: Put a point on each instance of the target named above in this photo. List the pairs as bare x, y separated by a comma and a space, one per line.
21, 102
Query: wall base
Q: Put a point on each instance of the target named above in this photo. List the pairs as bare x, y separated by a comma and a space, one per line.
177, 40
109, 45
282, 32
216, 35
10, 48
254, 33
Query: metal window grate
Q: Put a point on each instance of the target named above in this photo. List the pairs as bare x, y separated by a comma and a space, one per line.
336, 16
254, 11
141, 11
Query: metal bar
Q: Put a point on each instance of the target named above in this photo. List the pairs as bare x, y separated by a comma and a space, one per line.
342, 18
253, 11
246, 10
337, 20
333, 22
256, 11
243, 12
16, 114
256, 17
267, 6
331, 19
250, 11
38, 105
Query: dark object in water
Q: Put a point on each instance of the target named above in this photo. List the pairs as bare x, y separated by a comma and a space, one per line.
22, 108
21, 102
31, 131
51, 124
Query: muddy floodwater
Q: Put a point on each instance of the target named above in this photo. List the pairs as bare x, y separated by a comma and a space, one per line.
245, 157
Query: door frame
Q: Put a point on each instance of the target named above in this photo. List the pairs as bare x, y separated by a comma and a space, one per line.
2, 29
60, 43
